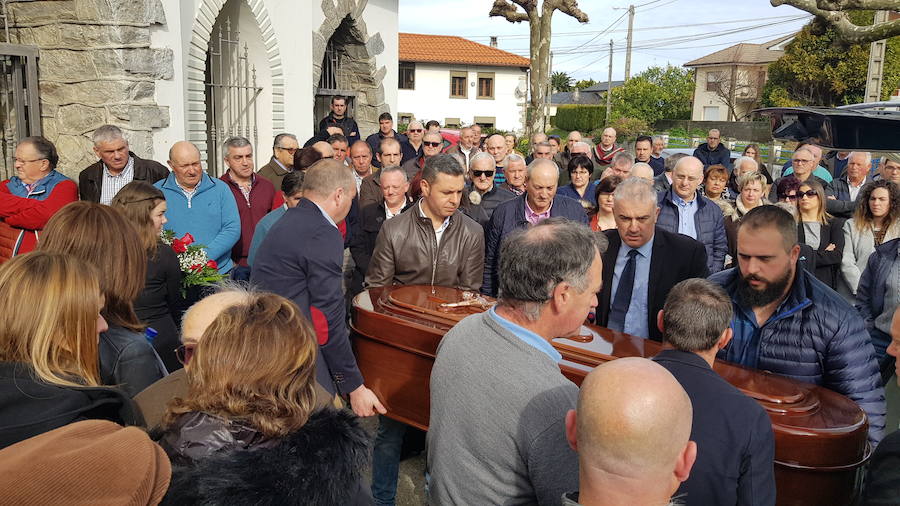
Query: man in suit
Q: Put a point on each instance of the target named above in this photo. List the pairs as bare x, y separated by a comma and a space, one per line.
538, 203
308, 271
116, 167
846, 187
635, 285
735, 464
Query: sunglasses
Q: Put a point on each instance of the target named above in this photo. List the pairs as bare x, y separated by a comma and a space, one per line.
788, 197
432, 144
415, 130
289, 150
479, 173
807, 193
184, 353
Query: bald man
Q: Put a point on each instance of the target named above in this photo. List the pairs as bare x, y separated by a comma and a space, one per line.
606, 150
200, 205
538, 203
642, 170
324, 148
631, 431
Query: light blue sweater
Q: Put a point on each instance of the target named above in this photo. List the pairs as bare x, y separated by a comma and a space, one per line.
210, 215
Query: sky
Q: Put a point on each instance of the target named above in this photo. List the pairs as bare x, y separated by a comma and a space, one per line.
665, 31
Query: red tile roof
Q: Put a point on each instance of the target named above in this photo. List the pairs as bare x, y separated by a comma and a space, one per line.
416, 47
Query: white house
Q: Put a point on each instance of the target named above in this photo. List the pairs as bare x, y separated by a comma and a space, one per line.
459, 82
202, 70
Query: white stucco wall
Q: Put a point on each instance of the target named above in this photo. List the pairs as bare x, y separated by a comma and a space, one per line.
702, 98
431, 97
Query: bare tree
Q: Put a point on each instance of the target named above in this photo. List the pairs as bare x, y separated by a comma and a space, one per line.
539, 19
737, 87
834, 12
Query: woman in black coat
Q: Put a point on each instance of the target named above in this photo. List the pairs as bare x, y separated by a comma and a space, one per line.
823, 233
160, 303
247, 432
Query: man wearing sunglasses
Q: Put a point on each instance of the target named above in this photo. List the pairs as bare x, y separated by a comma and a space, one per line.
282, 161
483, 195
432, 144
412, 146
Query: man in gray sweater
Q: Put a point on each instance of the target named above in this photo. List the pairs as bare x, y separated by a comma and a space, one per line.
498, 398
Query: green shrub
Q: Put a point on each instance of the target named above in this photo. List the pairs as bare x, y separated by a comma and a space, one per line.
627, 129
584, 118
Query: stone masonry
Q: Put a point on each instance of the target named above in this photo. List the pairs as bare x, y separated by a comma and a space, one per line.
96, 66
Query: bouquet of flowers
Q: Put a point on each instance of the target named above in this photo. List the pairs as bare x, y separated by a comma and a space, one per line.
197, 268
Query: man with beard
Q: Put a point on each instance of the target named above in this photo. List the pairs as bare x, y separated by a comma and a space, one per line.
788, 322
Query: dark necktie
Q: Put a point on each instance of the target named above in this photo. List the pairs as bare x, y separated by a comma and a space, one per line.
619, 307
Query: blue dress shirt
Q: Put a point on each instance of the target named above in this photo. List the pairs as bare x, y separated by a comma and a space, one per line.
527, 336
636, 322
686, 212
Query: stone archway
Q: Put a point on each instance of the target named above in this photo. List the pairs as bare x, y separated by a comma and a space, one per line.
346, 29
202, 30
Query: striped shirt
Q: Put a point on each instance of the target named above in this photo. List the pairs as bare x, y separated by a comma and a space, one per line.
111, 184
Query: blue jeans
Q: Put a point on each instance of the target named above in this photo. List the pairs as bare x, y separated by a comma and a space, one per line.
386, 460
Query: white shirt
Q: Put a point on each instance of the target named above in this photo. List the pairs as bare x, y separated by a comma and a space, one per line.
440, 231
854, 190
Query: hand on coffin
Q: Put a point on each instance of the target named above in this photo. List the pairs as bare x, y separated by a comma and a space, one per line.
365, 403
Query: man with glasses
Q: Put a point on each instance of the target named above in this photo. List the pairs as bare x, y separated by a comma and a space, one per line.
412, 147
385, 131
803, 162
890, 167
485, 196
713, 152
282, 161
819, 169
432, 144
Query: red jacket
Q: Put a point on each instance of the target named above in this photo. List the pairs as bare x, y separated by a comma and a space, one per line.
24, 215
263, 198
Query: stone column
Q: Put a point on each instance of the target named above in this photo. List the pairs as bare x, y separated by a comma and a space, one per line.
96, 67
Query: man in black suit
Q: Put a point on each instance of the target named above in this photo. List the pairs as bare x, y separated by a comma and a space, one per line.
643, 262
300, 259
736, 462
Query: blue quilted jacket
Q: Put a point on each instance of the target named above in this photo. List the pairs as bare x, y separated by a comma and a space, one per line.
708, 221
817, 337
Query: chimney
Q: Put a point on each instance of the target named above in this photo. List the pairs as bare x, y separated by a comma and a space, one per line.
493, 41
576, 96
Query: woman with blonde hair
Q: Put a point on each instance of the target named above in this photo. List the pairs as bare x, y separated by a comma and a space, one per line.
159, 303
820, 231
751, 193
101, 237
51, 305
247, 431
874, 222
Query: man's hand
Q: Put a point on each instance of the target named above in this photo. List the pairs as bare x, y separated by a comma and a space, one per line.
365, 403
831, 247
832, 197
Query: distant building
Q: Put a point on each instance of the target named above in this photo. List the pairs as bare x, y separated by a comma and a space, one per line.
735, 74
592, 95
459, 82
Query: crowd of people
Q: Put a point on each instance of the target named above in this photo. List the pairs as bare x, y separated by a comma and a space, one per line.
243, 390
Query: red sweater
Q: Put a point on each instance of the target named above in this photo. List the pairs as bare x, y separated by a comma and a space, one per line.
22, 218
263, 198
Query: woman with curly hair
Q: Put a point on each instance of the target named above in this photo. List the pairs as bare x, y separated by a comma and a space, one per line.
874, 222
247, 432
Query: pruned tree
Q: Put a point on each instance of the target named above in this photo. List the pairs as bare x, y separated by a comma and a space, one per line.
737, 86
539, 16
837, 14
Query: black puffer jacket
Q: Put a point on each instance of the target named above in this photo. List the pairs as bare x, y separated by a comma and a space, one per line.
320, 464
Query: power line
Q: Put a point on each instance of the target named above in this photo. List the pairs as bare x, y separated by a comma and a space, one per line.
611, 25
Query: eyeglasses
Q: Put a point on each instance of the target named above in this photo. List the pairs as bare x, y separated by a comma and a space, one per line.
807, 193
788, 197
289, 150
479, 173
185, 353
432, 144
415, 130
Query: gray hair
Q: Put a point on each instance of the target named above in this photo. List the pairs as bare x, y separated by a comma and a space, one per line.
582, 144
866, 154
739, 162
415, 122
234, 142
533, 261
749, 177
391, 170
441, 164
658, 138
281, 137
672, 160
540, 161
635, 189
538, 135
695, 314
107, 133
514, 157
433, 133
482, 155
544, 144
622, 155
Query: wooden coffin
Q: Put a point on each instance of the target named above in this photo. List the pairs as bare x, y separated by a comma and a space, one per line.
820, 435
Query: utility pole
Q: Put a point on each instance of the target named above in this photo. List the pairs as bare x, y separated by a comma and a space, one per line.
876, 63
609, 84
628, 48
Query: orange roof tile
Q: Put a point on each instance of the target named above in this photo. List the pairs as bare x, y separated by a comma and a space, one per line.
416, 47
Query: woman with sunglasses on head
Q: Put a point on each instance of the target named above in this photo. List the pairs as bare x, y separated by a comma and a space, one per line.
160, 304
248, 430
820, 231
51, 305
874, 222
101, 237
581, 188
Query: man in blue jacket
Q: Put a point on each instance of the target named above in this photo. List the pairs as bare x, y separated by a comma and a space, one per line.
788, 322
301, 259
538, 203
200, 205
712, 151
735, 464
684, 210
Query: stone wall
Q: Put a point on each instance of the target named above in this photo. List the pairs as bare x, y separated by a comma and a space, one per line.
96, 66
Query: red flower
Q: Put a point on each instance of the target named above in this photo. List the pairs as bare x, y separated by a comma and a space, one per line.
178, 246
188, 239
196, 267
212, 264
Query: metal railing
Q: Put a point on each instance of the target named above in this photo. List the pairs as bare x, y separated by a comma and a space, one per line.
20, 114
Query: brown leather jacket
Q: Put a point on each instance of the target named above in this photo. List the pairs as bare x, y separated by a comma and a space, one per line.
406, 253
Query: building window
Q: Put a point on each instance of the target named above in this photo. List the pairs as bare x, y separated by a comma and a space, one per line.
451, 122
458, 84
407, 76
485, 121
486, 85
712, 81
404, 118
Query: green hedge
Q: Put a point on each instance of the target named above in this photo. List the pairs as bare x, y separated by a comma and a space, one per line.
584, 118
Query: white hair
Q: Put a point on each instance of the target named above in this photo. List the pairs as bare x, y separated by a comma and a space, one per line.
635, 189
739, 162
867, 156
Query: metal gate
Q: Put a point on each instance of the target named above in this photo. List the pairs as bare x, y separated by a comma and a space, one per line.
19, 104
231, 95
335, 80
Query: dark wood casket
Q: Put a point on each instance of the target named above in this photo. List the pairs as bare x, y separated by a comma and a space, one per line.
820, 435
